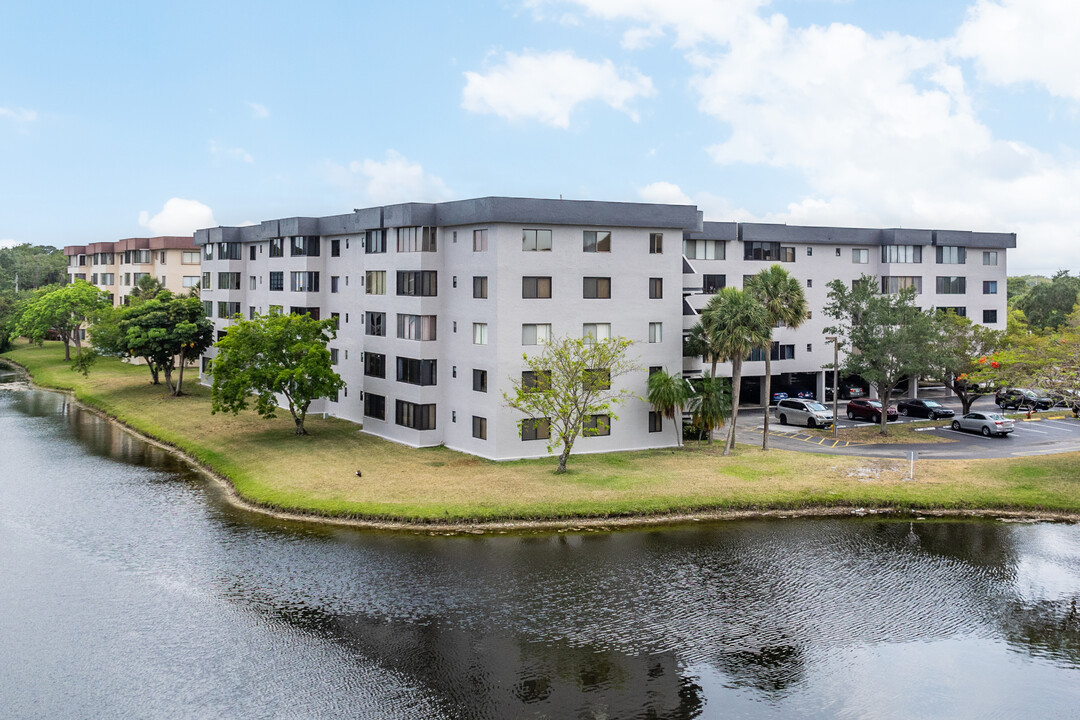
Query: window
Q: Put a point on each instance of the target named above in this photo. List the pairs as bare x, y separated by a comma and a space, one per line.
958, 311
416, 239
205, 280
208, 308
479, 286
188, 258
479, 427
532, 380
901, 253
990, 317
596, 332
536, 287
712, 284
536, 240
335, 248
251, 252
417, 372
374, 365
951, 285
990, 257
302, 310
809, 282
535, 429
653, 369
376, 324
336, 317
535, 334
778, 352
251, 282
595, 425
989, 287
597, 241
251, 312
375, 281
225, 280
479, 240
837, 252
417, 283
656, 288
304, 246
656, 332
305, 281
374, 406
277, 247
860, 256
768, 251
227, 309
951, 255
809, 251
375, 241
597, 288
417, 417
334, 283
656, 421
333, 356
277, 281
110, 279
892, 284
656, 243
479, 334
479, 380
705, 249
594, 379
227, 251
416, 327
809, 347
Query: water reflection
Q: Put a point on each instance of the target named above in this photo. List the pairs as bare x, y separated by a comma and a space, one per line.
753, 619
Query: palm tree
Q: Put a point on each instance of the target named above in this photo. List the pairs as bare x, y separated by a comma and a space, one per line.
784, 301
147, 288
710, 403
668, 394
740, 325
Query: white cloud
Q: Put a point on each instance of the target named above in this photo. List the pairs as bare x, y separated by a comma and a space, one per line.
178, 217
258, 110
713, 206
19, 115
549, 86
393, 180
237, 153
1018, 41
8, 243
664, 192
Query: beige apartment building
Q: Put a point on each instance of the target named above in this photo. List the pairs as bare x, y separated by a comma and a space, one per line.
116, 267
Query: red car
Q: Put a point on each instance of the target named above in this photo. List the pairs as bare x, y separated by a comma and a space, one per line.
863, 409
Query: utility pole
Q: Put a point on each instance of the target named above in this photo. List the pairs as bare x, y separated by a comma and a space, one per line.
16, 282
835, 387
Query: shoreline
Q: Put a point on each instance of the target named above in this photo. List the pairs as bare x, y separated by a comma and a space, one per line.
564, 524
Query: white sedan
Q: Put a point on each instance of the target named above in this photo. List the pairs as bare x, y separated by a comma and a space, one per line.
986, 423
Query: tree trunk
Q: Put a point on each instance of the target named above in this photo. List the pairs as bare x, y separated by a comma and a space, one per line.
562, 460
965, 403
678, 433
168, 379
883, 397
67, 347
768, 399
180, 380
153, 371
298, 419
736, 381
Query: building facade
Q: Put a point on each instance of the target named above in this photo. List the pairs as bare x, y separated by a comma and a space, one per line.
116, 267
436, 304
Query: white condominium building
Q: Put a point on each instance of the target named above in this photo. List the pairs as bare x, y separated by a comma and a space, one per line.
437, 303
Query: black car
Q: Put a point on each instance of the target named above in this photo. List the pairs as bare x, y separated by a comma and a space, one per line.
923, 408
1023, 399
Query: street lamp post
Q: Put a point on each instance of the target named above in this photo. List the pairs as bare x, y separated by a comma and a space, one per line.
835, 388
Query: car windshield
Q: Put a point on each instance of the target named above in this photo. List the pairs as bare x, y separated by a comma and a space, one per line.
873, 403
931, 403
996, 416
816, 407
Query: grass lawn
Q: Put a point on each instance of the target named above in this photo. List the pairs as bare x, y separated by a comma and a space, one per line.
270, 466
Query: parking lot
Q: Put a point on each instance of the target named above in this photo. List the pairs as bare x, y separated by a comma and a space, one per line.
1056, 431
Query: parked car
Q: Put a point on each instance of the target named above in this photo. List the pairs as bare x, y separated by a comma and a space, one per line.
862, 409
777, 397
803, 412
1022, 399
806, 395
986, 423
846, 391
918, 407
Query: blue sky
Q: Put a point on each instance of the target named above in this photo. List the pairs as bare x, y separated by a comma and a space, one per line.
122, 119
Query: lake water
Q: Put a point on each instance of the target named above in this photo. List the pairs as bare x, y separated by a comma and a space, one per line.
130, 588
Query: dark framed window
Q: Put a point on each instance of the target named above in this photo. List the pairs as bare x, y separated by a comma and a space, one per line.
228, 281
277, 247
251, 253
535, 429
536, 240
376, 324
299, 310
334, 283
479, 380
227, 309
228, 251
535, 287
656, 243
208, 308
595, 425
375, 241
535, 380
990, 317
989, 287
596, 241
277, 280
951, 285
417, 372
374, 365
479, 427
374, 406
951, 255
333, 356
656, 421
479, 240
712, 284
656, 288
417, 283
335, 248
479, 286
597, 288
412, 415
900, 253
307, 281
304, 246
959, 311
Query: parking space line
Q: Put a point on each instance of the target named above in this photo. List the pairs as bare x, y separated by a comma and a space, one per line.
1031, 429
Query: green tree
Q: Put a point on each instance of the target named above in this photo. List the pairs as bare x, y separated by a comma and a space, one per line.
274, 355
66, 310
738, 324
668, 394
710, 403
1047, 305
958, 345
785, 304
568, 383
147, 288
10, 310
885, 337
34, 266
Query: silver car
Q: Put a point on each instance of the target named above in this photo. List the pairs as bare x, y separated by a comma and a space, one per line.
803, 412
986, 423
